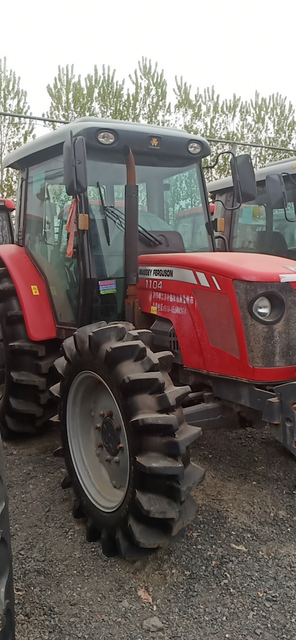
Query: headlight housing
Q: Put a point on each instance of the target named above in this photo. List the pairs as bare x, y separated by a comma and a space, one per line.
267, 308
262, 308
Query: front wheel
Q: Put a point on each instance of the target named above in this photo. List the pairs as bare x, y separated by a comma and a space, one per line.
125, 440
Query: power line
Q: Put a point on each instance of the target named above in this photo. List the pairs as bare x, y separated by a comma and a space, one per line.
21, 115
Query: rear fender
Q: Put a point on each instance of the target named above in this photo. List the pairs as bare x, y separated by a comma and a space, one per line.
31, 292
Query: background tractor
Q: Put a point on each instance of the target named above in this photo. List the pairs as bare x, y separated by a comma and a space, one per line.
118, 299
7, 208
259, 226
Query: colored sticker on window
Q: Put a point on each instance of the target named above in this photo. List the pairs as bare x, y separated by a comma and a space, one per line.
107, 286
34, 290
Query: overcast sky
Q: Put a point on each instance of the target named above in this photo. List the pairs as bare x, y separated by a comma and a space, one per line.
236, 45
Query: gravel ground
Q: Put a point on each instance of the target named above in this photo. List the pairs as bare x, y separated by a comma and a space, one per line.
232, 576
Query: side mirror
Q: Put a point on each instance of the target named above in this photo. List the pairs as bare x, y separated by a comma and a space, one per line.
74, 154
276, 191
243, 176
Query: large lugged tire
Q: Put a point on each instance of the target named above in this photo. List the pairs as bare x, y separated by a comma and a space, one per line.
125, 440
26, 369
6, 581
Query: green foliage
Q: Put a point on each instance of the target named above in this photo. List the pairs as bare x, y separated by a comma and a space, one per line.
269, 121
144, 98
102, 95
67, 96
13, 131
147, 101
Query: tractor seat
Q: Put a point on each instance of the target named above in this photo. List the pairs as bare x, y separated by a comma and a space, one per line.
272, 243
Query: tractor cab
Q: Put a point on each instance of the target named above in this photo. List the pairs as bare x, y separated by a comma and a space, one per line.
259, 226
86, 272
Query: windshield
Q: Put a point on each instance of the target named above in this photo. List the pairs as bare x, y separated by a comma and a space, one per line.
165, 193
257, 228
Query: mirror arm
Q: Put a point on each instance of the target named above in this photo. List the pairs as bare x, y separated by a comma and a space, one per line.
225, 240
238, 206
222, 153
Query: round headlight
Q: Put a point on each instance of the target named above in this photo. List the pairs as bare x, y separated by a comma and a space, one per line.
194, 147
262, 308
106, 137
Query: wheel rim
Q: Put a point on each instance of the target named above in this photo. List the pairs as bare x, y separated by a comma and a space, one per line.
98, 441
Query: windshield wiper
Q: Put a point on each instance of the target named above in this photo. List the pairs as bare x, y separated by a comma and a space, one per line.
105, 220
143, 232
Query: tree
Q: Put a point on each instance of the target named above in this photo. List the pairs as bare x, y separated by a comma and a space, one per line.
13, 131
68, 100
102, 95
147, 102
269, 121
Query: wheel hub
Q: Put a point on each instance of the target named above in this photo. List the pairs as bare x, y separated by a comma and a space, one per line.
98, 441
110, 436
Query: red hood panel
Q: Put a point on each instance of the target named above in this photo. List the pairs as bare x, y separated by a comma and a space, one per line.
238, 266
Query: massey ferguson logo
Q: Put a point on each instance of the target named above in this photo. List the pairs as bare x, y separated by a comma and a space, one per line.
155, 272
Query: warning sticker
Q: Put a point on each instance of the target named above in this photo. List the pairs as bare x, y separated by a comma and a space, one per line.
34, 290
107, 286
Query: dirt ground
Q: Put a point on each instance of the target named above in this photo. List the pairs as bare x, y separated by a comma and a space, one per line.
232, 576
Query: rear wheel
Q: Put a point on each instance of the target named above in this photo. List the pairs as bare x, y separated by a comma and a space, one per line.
6, 581
26, 369
125, 440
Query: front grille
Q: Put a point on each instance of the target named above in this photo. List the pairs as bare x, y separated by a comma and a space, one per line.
268, 345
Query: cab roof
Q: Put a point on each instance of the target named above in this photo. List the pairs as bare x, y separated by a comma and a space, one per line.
19, 158
288, 165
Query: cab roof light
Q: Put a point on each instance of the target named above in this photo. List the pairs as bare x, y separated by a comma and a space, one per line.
106, 137
194, 147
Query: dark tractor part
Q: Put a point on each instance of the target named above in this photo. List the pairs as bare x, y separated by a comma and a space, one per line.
7, 626
125, 440
26, 369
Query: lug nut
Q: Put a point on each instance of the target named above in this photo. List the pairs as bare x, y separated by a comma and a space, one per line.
116, 459
108, 459
100, 445
120, 447
109, 414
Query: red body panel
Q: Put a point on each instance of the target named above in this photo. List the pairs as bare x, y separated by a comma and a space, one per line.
8, 204
31, 292
196, 293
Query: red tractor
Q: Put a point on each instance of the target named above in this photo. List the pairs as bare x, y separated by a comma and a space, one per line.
111, 294
7, 208
259, 226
